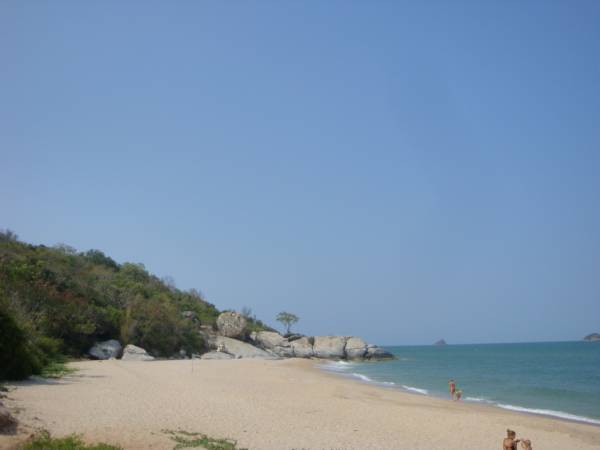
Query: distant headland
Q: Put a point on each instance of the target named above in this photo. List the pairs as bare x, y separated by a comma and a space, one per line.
594, 337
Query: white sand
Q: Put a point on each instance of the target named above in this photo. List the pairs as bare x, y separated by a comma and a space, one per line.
279, 405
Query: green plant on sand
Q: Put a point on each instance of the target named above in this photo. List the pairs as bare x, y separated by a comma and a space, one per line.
43, 441
57, 369
185, 439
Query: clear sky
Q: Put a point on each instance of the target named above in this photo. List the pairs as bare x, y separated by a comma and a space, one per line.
403, 171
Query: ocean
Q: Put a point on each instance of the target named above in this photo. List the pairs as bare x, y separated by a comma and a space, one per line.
560, 379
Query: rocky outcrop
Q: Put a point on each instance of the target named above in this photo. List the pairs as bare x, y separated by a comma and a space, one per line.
106, 349
232, 324
216, 355
356, 348
440, 342
270, 340
239, 349
326, 347
7, 421
594, 337
134, 353
303, 347
330, 347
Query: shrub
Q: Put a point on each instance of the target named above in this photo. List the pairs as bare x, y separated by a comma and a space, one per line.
43, 441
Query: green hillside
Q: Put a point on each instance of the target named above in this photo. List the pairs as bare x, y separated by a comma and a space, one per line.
56, 302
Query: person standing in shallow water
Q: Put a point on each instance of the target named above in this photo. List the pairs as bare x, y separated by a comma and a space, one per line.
452, 387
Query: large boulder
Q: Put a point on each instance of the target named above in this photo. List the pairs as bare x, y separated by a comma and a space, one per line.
239, 349
134, 353
303, 347
374, 352
106, 349
270, 340
7, 421
356, 348
330, 347
216, 355
232, 324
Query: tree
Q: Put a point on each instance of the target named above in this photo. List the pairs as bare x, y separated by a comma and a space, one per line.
287, 319
8, 235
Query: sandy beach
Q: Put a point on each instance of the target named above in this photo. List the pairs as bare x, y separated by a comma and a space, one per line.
266, 405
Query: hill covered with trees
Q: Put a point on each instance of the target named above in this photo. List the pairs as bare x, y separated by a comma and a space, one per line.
56, 302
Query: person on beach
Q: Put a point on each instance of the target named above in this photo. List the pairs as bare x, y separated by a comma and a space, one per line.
452, 387
458, 394
526, 444
510, 442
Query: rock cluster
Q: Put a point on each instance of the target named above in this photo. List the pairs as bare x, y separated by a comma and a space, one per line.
231, 342
326, 347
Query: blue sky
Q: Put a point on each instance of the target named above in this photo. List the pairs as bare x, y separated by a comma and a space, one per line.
403, 171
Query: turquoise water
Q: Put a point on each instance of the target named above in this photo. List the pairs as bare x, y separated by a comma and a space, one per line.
560, 379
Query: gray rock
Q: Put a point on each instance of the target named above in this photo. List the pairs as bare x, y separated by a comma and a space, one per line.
7, 421
239, 349
293, 336
374, 352
302, 348
106, 350
270, 340
329, 347
440, 342
232, 324
134, 353
356, 348
216, 355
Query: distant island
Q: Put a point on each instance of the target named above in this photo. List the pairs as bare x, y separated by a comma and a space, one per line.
440, 342
594, 337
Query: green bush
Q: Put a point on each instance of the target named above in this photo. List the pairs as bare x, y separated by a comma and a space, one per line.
43, 441
19, 358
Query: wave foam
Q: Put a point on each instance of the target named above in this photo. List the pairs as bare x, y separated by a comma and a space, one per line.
362, 377
478, 400
417, 390
549, 412
336, 366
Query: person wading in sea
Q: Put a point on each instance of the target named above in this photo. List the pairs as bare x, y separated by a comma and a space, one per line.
452, 387
510, 442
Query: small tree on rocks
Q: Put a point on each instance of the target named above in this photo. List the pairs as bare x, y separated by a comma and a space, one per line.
287, 319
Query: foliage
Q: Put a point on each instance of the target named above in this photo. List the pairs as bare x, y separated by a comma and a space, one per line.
57, 369
253, 323
287, 319
18, 356
43, 441
186, 439
54, 300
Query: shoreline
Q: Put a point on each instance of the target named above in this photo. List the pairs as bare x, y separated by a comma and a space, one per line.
361, 378
266, 405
